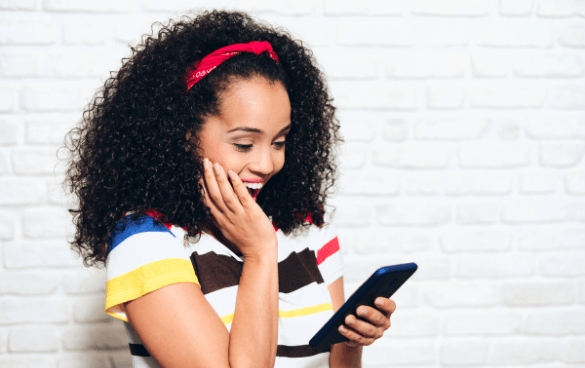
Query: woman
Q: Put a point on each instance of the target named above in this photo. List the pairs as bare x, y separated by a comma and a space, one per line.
212, 233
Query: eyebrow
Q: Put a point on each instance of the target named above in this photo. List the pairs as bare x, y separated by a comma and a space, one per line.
254, 130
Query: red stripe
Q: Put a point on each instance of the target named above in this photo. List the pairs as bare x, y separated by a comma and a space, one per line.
327, 250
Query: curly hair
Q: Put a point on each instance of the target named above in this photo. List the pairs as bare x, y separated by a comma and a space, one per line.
130, 153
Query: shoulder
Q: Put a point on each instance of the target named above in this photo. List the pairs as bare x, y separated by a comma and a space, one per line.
129, 227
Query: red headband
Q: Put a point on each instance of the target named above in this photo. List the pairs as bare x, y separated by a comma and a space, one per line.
201, 68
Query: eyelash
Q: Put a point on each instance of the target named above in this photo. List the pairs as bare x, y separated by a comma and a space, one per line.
247, 147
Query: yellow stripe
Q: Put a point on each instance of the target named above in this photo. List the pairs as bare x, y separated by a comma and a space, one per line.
290, 314
146, 279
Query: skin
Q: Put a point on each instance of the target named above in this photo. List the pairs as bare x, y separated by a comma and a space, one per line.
242, 226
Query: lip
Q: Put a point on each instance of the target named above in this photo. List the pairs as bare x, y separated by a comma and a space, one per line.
253, 180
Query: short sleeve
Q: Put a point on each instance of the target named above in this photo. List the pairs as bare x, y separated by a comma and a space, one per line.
326, 246
143, 256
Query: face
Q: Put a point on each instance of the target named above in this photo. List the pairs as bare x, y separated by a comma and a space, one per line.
247, 137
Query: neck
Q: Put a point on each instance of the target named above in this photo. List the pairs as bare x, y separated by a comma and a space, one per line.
214, 232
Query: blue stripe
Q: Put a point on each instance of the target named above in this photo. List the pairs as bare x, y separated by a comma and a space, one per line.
143, 224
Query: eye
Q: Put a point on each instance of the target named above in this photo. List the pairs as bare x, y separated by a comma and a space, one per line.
280, 145
243, 147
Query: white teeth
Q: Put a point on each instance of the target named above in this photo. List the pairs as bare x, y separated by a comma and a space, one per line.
253, 185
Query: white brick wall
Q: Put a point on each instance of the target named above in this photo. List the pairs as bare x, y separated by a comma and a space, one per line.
465, 131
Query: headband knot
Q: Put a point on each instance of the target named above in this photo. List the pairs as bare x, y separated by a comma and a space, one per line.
201, 68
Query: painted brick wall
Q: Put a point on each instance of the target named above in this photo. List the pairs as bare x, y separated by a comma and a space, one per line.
465, 135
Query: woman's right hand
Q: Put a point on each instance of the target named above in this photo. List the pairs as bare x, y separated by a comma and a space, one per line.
239, 218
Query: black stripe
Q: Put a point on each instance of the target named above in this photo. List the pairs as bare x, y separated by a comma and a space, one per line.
138, 350
218, 271
300, 351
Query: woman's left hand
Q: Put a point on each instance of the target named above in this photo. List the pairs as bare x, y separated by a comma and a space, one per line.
370, 325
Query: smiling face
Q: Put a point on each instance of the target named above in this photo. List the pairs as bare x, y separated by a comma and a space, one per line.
247, 135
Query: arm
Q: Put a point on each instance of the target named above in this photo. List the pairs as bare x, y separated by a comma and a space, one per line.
342, 355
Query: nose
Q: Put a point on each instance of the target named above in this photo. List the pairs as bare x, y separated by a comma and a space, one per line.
262, 163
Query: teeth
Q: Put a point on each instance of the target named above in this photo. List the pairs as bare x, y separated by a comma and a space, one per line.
253, 185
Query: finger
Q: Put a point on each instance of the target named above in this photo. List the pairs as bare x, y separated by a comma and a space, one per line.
355, 338
385, 305
209, 203
213, 189
226, 190
240, 189
364, 328
374, 316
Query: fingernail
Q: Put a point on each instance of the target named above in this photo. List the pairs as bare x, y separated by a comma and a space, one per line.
379, 303
206, 163
216, 167
350, 321
342, 329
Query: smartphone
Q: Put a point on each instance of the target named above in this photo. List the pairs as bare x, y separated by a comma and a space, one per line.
384, 282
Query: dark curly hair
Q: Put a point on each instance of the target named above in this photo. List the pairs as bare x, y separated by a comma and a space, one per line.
130, 153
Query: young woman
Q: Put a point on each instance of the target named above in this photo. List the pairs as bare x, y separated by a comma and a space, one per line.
211, 231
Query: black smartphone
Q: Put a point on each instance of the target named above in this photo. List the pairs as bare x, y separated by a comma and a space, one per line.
384, 282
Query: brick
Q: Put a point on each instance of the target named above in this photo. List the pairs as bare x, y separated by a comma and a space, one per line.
445, 97
509, 97
516, 8
95, 336
86, 33
109, 6
414, 324
26, 32
121, 359
523, 351
456, 35
548, 65
373, 95
4, 167
493, 266
450, 129
556, 128
29, 5
564, 265
354, 214
376, 33
11, 361
357, 130
57, 194
300, 7
343, 66
8, 132
555, 322
542, 211
39, 255
560, 239
34, 161
367, 7
575, 183
400, 352
359, 270
572, 36
569, 97
47, 131
46, 222
475, 241
353, 156
184, 5
130, 30
33, 310
28, 283
87, 280
563, 8
82, 64
428, 65
6, 100
6, 226
477, 214
561, 154
574, 351
455, 352
537, 293
413, 214
489, 65
493, 156
90, 309
39, 99
18, 64
88, 359
459, 294
16, 192
378, 183
384, 242
481, 323
478, 184
421, 184
395, 130
508, 130
412, 156
514, 35
3, 342
538, 182
581, 291
432, 268
472, 8
33, 339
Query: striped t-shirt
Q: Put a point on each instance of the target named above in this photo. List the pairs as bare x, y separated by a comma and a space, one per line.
147, 255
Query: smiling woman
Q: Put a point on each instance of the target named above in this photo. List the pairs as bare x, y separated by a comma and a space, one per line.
192, 169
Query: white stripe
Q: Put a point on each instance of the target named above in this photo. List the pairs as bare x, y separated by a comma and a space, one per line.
299, 330
332, 267
307, 296
141, 249
223, 300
